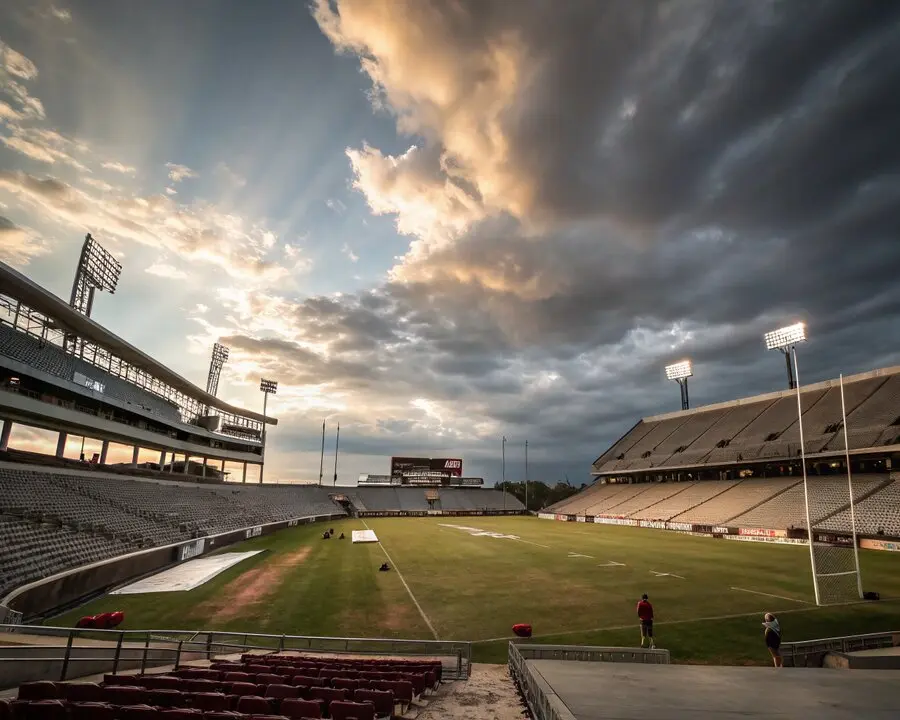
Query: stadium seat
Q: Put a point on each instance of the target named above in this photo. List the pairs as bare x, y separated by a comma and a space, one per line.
5, 710
296, 708
200, 685
167, 698
345, 683
46, 710
83, 692
307, 680
161, 682
39, 690
381, 700
240, 689
208, 701
282, 691
340, 710
125, 695
253, 705
137, 712
181, 714
91, 711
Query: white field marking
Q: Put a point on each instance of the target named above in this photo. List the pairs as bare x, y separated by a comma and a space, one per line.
400, 575
612, 563
534, 543
662, 574
811, 608
780, 597
579, 555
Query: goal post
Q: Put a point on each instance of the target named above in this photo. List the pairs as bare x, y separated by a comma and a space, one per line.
834, 556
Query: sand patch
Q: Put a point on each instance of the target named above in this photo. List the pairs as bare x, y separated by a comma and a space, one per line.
251, 588
489, 694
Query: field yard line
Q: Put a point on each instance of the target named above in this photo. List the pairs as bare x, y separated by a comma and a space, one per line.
679, 622
780, 597
534, 543
400, 575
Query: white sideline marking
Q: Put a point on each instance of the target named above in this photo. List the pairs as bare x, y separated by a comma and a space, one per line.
780, 597
400, 575
579, 555
533, 543
661, 574
612, 563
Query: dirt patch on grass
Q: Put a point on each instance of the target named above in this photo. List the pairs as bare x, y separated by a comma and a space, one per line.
251, 588
489, 694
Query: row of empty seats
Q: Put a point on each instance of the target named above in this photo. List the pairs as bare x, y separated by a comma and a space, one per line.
258, 687
766, 428
53, 521
754, 502
410, 499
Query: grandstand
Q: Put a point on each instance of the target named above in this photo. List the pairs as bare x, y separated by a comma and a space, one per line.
737, 464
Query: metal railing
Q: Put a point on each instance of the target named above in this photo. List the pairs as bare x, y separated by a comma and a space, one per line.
793, 651
154, 648
542, 700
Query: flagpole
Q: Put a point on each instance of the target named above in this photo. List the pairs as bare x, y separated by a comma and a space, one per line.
322, 456
337, 442
526, 476
503, 468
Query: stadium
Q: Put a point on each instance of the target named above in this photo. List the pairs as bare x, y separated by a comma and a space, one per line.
179, 588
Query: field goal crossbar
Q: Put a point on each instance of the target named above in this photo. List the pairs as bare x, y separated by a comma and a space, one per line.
131, 649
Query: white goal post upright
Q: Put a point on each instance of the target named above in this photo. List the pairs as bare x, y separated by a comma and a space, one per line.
809, 527
850, 488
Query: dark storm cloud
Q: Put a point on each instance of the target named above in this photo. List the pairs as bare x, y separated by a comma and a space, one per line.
687, 176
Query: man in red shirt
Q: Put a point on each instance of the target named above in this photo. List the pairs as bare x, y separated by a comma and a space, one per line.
645, 613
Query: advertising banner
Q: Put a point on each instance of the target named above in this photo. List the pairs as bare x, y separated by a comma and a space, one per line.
656, 524
191, 550
682, 527
762, 532
778, 540
873, 544
615, 521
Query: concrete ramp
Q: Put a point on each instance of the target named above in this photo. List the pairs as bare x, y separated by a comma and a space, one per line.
877, 659
630, 691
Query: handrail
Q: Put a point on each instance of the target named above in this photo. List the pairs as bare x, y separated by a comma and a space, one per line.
842, 643
173, 644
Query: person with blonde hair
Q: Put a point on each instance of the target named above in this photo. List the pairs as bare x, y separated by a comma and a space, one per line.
772, 634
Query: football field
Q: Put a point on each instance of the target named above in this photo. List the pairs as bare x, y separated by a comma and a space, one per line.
472, 578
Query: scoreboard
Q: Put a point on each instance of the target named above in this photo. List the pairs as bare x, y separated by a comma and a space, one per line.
426, 467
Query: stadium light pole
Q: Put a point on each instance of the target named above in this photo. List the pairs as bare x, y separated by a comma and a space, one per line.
785, 339
680, 372
267, 387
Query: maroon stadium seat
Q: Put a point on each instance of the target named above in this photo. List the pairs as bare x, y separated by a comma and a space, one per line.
161, 682
125, 695
200, 685
46, 710
277, 690
254, 705
231, 677
40, 690
83, 692
296, 708
91, 711
346, 710
168, 698
345, 683
269, 679
381, 700
308, 680
110, 679
210, 701
137, 712
5, 710
181, 714
242, 688
329, 695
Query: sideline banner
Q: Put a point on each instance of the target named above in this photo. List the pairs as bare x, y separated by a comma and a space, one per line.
873, 544
778, 540
763, 532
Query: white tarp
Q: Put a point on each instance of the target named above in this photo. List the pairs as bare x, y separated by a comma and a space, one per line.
186, 576
364, 536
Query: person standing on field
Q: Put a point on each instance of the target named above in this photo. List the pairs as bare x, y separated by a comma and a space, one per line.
645, 613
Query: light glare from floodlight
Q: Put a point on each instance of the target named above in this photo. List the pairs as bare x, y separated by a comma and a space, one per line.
786, 336
268, 386
679, 370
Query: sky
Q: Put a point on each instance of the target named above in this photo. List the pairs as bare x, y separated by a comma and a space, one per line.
442, 222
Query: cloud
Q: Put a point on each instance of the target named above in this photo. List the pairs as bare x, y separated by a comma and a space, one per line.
229, 176
335, 205
199, 233
165, 270
177, 173
47, 146
119, 167
18, 246
15, 70
62, 14
348, 251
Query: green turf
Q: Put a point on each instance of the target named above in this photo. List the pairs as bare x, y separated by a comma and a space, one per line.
475, 588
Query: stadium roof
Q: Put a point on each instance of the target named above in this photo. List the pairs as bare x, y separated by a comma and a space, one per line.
15, 284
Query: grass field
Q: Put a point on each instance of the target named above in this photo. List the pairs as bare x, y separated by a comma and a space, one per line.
555, 576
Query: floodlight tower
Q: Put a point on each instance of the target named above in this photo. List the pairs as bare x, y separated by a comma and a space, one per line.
267, 387
97, 270
216, 363
784, 339
680, 372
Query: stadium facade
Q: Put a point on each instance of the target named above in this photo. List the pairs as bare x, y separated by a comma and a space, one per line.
61, 371
735, 469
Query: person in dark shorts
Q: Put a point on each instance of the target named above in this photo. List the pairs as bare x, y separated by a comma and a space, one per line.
773, 638
645, 613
